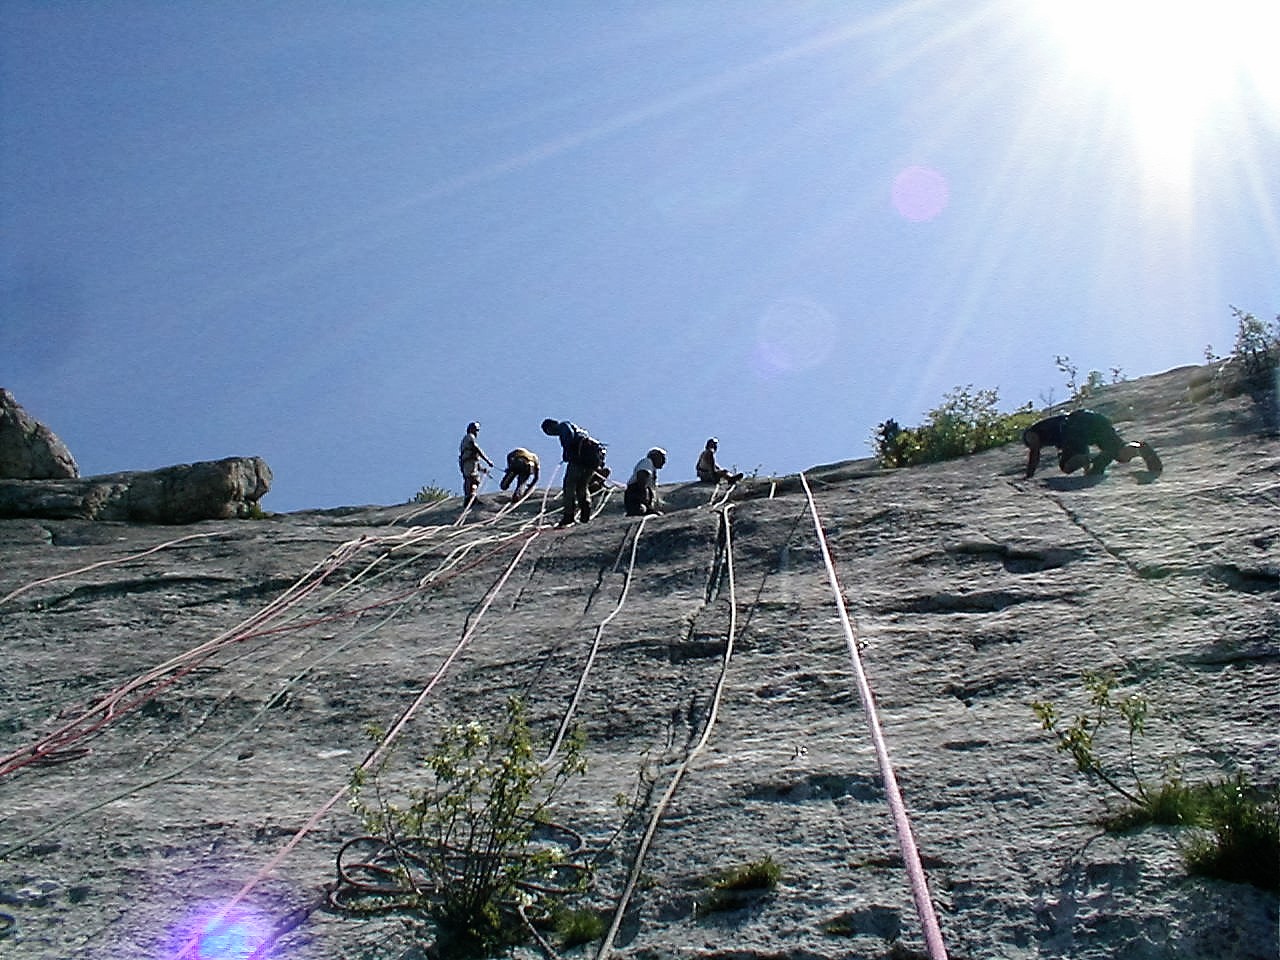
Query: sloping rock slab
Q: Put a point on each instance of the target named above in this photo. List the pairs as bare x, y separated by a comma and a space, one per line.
185, 493
248, 662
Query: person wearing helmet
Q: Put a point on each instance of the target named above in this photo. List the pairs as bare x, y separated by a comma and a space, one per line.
469, 457
641, 495
711, 472
1073, 433
522, 467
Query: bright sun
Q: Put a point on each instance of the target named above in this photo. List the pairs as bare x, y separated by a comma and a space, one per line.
1171, 65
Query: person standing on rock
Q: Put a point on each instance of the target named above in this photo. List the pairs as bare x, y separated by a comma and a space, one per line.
641, 495
522, 467
469, 457
708, 470
1073, 433
583, 457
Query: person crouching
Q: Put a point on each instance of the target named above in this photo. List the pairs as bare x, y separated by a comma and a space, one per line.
522, 469
641, 495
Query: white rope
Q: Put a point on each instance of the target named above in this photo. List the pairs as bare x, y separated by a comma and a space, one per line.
646, 841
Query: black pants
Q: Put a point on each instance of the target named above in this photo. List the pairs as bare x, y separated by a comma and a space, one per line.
576, 478
1082, 428
638, 499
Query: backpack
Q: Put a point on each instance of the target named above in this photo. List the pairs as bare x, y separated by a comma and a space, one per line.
588, 451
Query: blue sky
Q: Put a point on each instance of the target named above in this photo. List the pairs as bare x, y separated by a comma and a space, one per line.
331, 234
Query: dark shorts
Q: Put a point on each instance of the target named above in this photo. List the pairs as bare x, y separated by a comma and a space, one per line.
1084, 428
636, 500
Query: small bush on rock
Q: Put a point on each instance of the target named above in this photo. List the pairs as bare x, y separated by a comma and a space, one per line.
1257, 347
1239, 839
729, 886
967, 421
1254, 364
431, 493
1237, 827
1093, 383
576, 927
464, 849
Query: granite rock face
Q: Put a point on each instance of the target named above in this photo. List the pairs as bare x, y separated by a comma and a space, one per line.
39, 479
240, 664
184, 493
29, 450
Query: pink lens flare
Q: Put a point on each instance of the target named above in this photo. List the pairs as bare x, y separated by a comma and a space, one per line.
920, 193
212, 934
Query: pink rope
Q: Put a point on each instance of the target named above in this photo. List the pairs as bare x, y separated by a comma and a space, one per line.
906, 841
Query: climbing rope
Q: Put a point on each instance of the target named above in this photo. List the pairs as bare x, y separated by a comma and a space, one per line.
59, 744
103, 563
567, 719
373, 758
646, 840
906, 841
117, 703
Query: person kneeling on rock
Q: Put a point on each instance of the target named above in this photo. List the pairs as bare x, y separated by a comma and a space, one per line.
641, 495
1073, 433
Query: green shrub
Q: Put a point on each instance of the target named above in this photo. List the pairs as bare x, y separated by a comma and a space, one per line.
1257, 348
576, 927
464, 845
1240, 839
253, 511
967, 421
431, 493
1237, 828
1254, 363
1080, 736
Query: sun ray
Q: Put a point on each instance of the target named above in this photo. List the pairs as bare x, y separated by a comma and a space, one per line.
1170, 66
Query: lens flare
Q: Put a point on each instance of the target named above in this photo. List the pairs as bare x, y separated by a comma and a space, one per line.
794, 335
217, 935
920, 193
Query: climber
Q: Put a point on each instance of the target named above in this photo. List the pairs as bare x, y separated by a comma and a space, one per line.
708, 470
583, 457
1073, 433
641, 495
522, 467
469, 457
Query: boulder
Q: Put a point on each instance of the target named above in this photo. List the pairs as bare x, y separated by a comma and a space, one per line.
28, 449
185, 493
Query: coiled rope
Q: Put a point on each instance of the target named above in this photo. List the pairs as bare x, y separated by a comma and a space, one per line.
906, 841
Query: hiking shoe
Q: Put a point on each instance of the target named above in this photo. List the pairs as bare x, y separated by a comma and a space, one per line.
1149, 457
